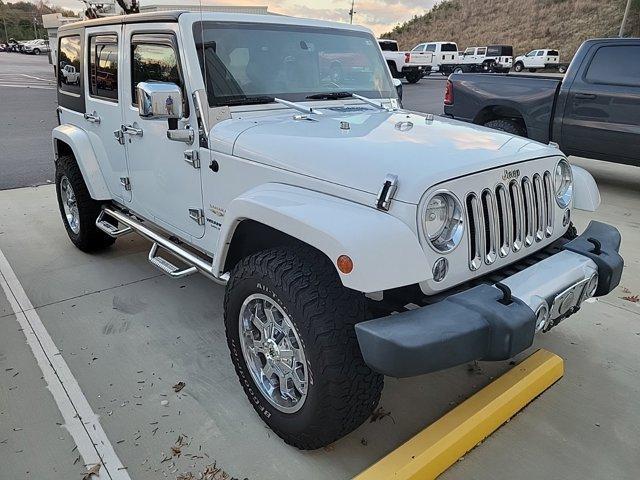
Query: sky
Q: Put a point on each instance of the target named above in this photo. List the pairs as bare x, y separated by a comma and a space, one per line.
379, 15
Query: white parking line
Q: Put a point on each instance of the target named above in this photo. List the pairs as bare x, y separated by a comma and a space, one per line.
80, 420
48, 80
27, 86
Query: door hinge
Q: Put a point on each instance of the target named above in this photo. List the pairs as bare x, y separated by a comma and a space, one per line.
192, 157
126, 183
119, 136
197, 215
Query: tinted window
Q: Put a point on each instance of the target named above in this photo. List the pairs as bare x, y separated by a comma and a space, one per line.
615, 65
449, 47
540, 53
482, 51
553, 53
431, 48
69, 65
419, 48
153, 62
103, 67
389, 46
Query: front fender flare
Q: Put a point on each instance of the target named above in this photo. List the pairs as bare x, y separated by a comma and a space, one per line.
79, 142
385, 251
586, 195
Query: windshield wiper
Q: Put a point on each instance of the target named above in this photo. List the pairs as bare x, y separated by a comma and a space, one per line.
244, 100
330, 96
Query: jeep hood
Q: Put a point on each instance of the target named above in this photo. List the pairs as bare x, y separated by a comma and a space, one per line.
357, 146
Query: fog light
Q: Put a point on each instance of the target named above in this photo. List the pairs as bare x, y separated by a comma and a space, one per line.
542, 317
592, 286
440, 269
567, 218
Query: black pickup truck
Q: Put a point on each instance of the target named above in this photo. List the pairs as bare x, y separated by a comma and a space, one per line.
594, 111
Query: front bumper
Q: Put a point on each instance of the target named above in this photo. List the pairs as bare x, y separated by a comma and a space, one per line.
484, 322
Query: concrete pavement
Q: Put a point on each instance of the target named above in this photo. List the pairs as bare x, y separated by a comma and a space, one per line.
129, 335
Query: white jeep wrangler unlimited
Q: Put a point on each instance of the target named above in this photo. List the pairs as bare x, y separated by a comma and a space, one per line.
355, 239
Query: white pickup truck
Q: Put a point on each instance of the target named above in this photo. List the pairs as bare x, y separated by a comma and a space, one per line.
410, 65
539, 59
354, 239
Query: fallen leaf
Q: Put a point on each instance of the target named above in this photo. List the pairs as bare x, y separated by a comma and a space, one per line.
91, 472
632, 298
178, 386
379, 414
176, 450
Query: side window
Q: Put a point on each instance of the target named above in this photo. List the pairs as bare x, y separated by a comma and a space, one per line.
531, 54
69, 65
154, 60
615, 65
482, 51
431, 47
103, 67
469, 51
418, 48
540, 53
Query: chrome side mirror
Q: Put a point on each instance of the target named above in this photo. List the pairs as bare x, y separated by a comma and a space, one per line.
398, 84
160, 100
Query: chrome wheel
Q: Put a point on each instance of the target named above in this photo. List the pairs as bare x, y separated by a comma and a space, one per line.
70, 205
273, 353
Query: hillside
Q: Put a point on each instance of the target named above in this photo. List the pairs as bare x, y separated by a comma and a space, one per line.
525, 24
17, 19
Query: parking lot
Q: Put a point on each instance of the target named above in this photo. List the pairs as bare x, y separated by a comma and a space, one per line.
127, 335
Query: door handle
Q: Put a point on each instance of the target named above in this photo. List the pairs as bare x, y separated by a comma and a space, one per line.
131, 130
586, 96
92, 117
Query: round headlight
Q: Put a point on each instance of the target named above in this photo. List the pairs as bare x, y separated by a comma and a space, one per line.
443, 224
563, 183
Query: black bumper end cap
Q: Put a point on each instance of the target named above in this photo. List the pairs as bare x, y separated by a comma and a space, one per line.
601, 243
472, 325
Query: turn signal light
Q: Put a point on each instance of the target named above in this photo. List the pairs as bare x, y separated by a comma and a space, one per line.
345, 264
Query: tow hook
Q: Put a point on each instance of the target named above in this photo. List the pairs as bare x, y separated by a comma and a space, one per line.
558, 320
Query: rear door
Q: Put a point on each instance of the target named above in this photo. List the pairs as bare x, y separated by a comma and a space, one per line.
602, 113
104, 105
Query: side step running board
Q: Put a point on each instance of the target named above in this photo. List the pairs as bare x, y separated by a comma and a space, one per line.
166, 267
195, 262
110, 229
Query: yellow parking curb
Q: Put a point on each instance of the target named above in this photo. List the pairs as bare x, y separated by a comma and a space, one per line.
440, 445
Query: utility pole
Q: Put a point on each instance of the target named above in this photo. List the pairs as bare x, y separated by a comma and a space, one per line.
6, 33
35, 28
352, 11
624, 19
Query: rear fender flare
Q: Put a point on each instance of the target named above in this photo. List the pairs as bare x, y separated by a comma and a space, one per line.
78, 140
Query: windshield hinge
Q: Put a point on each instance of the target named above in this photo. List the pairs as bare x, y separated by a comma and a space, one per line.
197, 215
387, 192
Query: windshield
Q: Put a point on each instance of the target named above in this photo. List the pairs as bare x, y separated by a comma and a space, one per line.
255, 61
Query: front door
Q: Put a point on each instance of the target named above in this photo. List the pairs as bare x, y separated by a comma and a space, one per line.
165, 187
104, 105
602, 113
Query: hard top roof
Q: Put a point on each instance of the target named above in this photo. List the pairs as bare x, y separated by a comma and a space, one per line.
169, 16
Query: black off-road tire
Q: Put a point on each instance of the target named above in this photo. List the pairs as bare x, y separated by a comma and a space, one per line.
343, 391
413, 77
518, 67
533, 70
507, 125
36, 51
89, 238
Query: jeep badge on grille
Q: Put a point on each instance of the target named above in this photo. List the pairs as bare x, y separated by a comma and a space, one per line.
510, 174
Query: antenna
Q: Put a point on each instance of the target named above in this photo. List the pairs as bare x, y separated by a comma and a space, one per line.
352, 12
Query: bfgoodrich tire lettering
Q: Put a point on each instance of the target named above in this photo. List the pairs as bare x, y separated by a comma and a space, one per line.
86, 237
342, 390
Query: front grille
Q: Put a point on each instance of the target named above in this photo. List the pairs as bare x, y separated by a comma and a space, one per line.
508, 218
